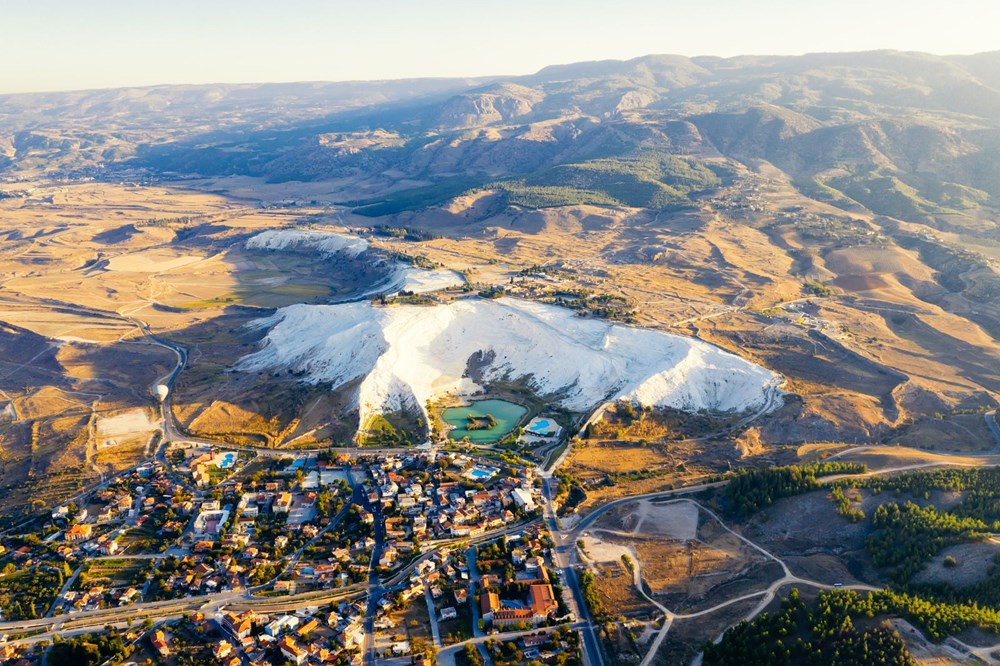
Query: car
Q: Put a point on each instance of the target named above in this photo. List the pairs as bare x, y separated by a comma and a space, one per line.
838, 585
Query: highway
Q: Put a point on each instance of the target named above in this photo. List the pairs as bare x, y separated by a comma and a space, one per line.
562, 559
375, 590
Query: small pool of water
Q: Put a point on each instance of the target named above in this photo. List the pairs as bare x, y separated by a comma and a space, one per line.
228, 459
541, 425
507, 416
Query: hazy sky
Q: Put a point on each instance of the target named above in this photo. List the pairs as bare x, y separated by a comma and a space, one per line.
71, 44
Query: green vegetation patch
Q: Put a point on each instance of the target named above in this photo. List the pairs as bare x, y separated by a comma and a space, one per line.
404, 233
818, 289
569, 493
752, 490
842, 627
588, 586
89, 650
414, 198
27, 594
648, 180
520, 193
122, 572
908, 531
392, 429
652, 179
824, 633
886, 195
907, 536
606, 306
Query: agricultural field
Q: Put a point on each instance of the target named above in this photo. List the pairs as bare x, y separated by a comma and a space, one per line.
113, 573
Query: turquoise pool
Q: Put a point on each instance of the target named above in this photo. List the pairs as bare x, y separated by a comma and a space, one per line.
507, 416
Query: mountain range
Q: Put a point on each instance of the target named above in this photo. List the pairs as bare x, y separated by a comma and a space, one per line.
902, 134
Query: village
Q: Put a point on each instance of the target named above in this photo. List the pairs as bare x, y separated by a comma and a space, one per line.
397, 554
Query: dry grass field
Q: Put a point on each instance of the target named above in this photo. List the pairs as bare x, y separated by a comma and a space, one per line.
619, 457
973, 563
80, 265
665, 465
617, 593
894, 457
686, 637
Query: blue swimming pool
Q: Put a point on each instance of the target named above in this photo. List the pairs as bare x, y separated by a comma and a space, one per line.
540, 426
228, 460
481, 473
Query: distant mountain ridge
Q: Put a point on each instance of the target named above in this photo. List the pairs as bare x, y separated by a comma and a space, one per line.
898, 133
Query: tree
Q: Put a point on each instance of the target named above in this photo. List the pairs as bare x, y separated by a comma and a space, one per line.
471, 655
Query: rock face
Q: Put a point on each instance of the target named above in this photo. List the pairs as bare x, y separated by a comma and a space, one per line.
407, 355
495, 104
635, 99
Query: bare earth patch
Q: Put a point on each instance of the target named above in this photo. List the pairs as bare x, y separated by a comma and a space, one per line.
131, 422
972, 563
150, 262
604, 551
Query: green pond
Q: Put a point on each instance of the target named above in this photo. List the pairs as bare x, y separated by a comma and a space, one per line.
506, 414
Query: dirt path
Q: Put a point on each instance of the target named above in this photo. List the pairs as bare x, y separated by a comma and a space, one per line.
90, 450
641, 517
668, 617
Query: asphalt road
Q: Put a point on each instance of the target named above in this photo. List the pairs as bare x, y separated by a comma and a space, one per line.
991, 423
562, 559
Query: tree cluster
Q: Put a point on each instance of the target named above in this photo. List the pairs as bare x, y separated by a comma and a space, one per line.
823, 633
908, 535
755, 489
88, 650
